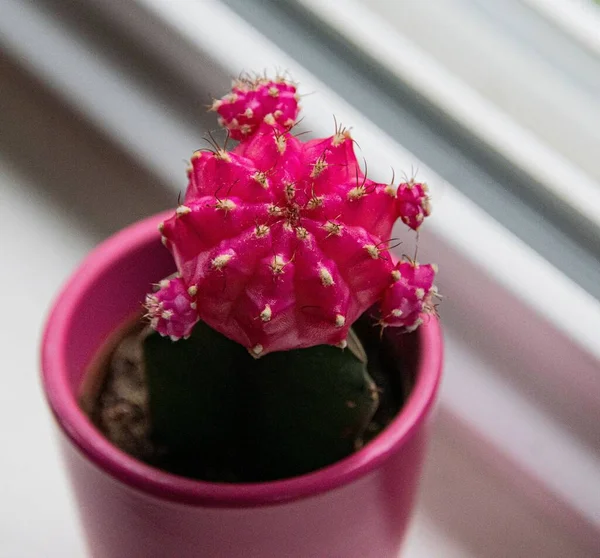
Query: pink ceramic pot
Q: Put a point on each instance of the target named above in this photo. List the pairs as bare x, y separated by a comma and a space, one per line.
356, 508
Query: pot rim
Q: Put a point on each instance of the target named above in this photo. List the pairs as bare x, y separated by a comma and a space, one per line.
94, 446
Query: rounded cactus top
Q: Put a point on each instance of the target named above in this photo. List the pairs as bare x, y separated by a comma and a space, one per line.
282, 243
252, 100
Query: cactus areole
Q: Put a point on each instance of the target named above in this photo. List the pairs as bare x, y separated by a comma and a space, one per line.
280, 246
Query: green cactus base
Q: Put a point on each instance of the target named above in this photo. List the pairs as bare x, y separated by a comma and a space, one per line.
221, 415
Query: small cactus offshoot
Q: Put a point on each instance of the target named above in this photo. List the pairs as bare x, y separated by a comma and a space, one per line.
280, 245
251, 100
413, 203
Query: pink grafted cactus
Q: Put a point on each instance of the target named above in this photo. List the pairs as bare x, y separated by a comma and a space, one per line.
409, 296
251, 100
283, 244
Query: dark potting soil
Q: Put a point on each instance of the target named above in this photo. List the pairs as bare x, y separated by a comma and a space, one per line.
121, 409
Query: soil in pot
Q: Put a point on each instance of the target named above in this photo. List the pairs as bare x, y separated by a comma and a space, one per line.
115, 393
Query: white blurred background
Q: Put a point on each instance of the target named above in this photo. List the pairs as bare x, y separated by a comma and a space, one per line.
494, 104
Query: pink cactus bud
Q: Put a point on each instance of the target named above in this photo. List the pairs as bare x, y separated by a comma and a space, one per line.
409, 295
413, 203
253, 101
172, 309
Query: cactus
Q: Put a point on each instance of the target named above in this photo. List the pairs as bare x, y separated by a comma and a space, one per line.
280, 245
413, 203
226, 416
251, 99
172, 310
411, 294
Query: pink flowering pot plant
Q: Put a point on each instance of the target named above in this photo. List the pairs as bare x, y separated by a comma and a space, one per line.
271, 400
